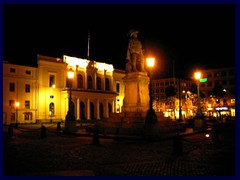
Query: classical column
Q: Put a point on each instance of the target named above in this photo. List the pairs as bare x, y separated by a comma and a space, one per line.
78, 108
114, 106
97, 109
87, 109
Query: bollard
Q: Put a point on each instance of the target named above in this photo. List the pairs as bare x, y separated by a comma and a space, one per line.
43, 132
10, 131
177, 145
59, 127
95, 137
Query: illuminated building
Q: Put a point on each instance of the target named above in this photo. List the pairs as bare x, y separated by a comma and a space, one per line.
225, 78
170, 106
43, 91
19, 85
210, 104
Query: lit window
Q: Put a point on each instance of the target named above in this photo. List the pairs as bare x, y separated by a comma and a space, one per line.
12, 70
209, 75
27, 88
27, 104
118, 108
223, 73
51, 109
118, 88
217, 74
89, 82
12, 87
13, 115
107, 84
28, 72
51, 80
209, 84
11, 103
99, 83
79, 81
28, 116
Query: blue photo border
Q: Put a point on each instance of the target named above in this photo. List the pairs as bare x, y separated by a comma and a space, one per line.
237, 60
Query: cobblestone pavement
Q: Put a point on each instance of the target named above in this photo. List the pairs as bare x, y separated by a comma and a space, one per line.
26, 154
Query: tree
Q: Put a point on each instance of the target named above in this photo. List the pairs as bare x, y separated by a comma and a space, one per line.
171, 92
218, 92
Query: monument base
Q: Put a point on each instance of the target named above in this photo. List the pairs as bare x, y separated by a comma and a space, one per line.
136, 97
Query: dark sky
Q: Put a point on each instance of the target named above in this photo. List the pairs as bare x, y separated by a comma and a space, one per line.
189, 36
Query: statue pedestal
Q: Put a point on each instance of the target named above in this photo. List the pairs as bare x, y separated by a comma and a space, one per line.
136, 100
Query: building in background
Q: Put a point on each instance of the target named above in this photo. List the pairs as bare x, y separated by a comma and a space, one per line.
43, 91
169, 102
219, 91
217, 94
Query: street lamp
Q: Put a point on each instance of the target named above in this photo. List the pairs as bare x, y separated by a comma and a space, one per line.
70, 114
17, 105
151, 116
197, 76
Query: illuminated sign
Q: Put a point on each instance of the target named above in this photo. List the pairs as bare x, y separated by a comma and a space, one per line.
203, 80
221, 108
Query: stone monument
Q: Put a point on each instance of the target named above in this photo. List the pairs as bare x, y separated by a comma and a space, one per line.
136, 104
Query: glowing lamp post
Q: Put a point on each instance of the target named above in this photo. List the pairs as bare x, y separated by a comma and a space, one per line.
70, 114
70, 77
151, 116
150, 62
17, 105
197, 76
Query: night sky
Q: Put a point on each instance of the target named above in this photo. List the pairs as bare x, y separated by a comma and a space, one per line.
188, 36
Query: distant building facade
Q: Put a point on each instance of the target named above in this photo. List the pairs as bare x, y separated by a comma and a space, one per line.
170, 105
43, 92
20, 84
225, 78
186, 100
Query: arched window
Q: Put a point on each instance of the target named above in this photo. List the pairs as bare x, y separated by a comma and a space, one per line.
79, 81
101, 110
89, 82
107, 84
82, 110
91, 110
51, 109
109, 109
99, 83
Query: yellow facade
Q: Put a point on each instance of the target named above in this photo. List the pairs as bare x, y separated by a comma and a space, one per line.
19, 85
97, 90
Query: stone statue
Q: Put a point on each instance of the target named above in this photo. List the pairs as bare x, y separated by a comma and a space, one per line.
135, 57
